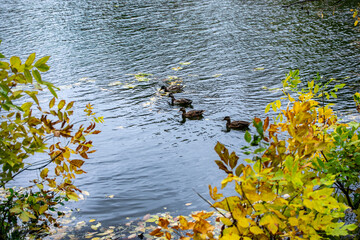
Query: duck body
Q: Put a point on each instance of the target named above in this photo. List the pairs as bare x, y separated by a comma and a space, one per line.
236, 124
193, 114
172, 88
181, 101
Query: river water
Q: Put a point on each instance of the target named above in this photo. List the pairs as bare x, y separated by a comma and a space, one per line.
232, 53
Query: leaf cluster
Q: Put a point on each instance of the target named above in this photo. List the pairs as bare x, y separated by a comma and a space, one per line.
26, 128
302, 178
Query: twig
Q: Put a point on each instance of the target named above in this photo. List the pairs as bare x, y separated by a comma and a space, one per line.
209, 203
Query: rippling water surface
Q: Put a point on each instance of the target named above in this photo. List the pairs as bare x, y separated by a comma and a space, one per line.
146, 157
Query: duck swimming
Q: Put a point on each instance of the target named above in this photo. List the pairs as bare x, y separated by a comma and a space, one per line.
181, 101
172, 88
193, 114
236, 124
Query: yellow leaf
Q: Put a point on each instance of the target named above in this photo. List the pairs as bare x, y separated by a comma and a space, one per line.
226, 221
52, 102
44, 173
43, 209
92, 220
24, 217
72, 196
157, 233
356, 23
293, 221
256, 230
77, 162
243, 222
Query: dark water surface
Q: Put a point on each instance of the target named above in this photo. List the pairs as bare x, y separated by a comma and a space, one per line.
146, 157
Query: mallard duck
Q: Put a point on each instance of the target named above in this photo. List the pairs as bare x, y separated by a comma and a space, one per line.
236, 124
191, 114
180, 101
173, 88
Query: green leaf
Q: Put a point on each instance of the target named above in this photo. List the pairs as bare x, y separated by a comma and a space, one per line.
30, 60
41, 61
61, 104
4, 65
33, 96
43, 68
15, 61
247, 136
37, 76
52, 102
26, 106
28, 76
2, 56
70, 105
333, 94
51, 89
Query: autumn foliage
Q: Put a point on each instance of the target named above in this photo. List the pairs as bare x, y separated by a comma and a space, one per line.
302, 179
26, 130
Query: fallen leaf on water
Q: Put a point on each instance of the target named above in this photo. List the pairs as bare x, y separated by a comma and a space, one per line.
188, 204
92, 220
86, 193
146, 217
95, 227
132, 236
259, 68
110, 196
176, 68
185, 63
115, 83
95, 238
217, 75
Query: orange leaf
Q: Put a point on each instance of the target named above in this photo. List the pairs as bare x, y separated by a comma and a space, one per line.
266, 123
168, 235
213, 193
163, 223
157, 233
77, 162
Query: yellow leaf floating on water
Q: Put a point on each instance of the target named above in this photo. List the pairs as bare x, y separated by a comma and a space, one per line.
259, 68
185, 63
132, 236
110, 196
86, 193
95, 227
92, 220
115, 83
176, 68
188, 204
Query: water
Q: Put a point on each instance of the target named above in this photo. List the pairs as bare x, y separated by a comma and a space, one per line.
146, 157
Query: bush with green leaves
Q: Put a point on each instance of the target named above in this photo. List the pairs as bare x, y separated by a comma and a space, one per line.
26, 128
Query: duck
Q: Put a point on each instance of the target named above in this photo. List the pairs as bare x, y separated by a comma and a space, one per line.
193, 114
236, 124
181, 101
172, 88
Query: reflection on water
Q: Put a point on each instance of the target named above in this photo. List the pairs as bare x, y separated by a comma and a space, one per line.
235, 53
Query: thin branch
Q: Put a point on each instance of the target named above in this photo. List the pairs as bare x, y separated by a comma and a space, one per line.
211, 205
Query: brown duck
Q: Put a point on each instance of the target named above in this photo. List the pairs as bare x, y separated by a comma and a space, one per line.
193, 114
172, 88
181, 101
236, 124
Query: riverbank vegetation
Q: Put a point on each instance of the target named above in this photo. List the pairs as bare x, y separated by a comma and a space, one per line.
301, 181
37, 138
